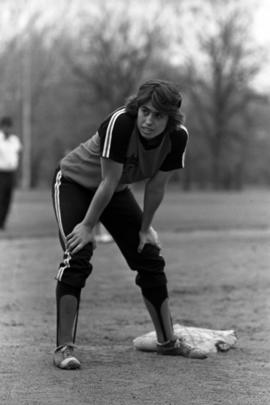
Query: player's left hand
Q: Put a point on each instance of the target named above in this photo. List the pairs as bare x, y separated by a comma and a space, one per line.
150, 236
79, 237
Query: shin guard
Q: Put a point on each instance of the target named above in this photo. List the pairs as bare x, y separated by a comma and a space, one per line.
156, 300
67, 302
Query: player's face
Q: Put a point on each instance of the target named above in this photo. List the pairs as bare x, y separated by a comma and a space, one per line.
150, 122
6, 129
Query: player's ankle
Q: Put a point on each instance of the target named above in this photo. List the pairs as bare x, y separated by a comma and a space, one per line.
65, 342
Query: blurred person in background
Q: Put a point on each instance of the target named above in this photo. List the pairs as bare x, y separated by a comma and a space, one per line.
10, 147
143, 140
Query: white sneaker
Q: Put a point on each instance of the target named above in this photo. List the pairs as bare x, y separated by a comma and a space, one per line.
64, 358
178, 347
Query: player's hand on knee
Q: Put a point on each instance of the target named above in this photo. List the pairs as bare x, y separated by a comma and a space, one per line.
79, 237
149, 236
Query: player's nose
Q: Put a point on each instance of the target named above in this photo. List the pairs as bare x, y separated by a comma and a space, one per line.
149, 119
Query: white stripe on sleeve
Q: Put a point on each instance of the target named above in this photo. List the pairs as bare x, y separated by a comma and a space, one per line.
184, 153
108, 137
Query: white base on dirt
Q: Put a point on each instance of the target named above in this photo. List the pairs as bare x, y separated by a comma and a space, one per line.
209, 340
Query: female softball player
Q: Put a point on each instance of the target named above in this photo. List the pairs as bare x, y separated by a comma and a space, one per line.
143, 140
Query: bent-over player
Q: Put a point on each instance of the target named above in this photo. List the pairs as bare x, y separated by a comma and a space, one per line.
143, 140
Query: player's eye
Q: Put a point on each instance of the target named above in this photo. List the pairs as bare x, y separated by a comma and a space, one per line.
159, 115
145, 111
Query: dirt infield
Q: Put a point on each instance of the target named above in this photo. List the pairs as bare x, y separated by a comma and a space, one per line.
217, 278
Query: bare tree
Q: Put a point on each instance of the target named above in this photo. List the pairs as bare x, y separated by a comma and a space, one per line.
221, 90
113, 56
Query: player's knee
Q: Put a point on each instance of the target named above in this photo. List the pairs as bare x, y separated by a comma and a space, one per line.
149, 265
75, 276
75, 269
149, 259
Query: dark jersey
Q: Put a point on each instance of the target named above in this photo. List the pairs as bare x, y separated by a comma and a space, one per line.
118, 139
115, 135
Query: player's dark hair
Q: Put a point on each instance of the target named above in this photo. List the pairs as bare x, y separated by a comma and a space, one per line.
6, 122
164, 97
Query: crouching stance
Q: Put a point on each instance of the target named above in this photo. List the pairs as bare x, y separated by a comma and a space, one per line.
143, 140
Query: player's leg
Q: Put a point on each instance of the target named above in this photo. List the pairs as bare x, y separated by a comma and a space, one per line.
70, 202
123, 218
6, 181
2, 204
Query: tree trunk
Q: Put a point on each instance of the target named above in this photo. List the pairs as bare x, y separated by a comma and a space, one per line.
26, 117
216, 166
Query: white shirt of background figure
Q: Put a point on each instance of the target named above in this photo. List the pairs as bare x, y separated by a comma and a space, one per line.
10, 147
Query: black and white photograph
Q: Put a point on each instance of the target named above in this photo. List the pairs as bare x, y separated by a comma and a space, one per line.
135, 202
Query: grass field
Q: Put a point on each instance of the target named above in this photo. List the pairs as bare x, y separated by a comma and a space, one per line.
218, 256
32, 214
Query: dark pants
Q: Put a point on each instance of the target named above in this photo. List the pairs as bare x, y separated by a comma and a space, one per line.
122, 218
6, 190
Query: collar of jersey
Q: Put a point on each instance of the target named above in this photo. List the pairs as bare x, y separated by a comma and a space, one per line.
151, 143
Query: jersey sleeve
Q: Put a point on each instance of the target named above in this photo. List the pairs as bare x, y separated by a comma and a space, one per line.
176, 158
114, 135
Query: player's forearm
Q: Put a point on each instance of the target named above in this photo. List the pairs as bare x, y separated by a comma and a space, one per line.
152, 200
99, 202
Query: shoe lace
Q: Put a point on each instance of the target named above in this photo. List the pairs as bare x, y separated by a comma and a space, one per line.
67, 351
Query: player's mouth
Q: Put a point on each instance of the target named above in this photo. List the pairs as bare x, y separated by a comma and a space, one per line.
147, 131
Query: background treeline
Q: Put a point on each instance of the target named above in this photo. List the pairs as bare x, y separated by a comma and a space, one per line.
62, 70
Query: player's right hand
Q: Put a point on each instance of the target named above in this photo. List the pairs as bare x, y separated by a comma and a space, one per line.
79, 237
150, 236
